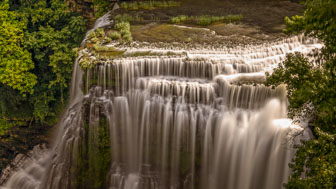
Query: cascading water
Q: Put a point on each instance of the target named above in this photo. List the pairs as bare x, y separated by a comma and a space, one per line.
202, 119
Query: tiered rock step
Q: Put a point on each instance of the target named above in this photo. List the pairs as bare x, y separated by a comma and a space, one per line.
120, 74
185, 90
219, 93
228, 78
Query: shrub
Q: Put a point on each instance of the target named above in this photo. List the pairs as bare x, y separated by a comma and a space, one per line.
94, 40
127, 37
125, 31
114, 35
180, 19
175, 20
91, 35
107, 39
205, 20
122, 26
96, 36
99, 32
84, 63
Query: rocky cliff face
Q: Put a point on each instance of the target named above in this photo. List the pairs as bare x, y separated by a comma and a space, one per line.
20, 161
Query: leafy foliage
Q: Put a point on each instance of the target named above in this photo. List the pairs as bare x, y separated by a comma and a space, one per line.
55, 31
318, 21
15, 61
125, 31
301, 78
42, 35
316, 159
312, 93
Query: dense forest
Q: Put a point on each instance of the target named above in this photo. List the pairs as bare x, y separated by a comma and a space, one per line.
38, 41
37, 54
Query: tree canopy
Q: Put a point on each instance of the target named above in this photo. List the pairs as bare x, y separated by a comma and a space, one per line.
311, 86
15, 61
37, 39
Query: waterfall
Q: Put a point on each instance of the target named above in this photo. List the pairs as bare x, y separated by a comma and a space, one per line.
201, 119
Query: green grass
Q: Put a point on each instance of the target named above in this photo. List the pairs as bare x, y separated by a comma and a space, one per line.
149, 5
206, 20
180, 19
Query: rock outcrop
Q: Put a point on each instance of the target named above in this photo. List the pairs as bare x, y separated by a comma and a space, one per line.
20, 161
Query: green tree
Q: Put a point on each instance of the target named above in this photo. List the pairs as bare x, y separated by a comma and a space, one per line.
36, 41
36, 60
312, 93
15, 61
53, 31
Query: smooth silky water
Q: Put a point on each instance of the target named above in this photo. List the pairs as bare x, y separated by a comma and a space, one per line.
202, 119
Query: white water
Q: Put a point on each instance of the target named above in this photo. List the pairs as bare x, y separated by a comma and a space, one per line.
187, 121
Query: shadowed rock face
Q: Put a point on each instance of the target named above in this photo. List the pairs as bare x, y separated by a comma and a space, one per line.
21, 160
19, 142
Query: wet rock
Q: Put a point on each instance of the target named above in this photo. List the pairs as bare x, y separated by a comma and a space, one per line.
20, 161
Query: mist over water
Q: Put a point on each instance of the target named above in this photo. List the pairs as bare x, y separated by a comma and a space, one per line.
199, 120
